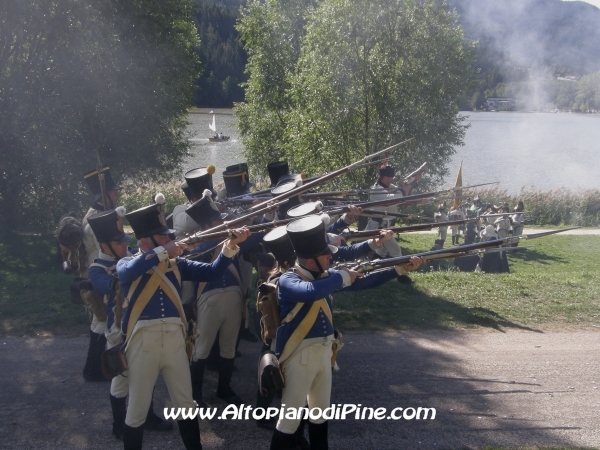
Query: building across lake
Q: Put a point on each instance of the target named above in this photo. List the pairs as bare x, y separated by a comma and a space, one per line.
501, 104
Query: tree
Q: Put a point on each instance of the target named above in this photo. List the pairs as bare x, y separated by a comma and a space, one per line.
588, 93
369, 74
272, 34
221, 54
80, 76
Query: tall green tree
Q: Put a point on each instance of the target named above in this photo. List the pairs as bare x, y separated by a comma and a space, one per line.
272, 33
588, 93
368, 74
80, 76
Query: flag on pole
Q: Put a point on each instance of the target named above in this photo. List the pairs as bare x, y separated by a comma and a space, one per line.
458, 183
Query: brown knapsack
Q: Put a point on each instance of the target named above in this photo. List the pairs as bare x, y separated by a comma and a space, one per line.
268, 305
70, 238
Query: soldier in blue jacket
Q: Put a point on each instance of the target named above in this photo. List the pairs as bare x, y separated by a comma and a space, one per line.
154, 323
108, 229
219, 306
305, 339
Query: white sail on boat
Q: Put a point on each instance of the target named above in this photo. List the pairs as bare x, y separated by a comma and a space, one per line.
217, 136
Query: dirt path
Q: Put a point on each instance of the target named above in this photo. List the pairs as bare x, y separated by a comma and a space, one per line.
489, 388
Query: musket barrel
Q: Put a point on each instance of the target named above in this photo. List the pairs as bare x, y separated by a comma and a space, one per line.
234, 222
198, 238
443, 253
425, 226
306, 186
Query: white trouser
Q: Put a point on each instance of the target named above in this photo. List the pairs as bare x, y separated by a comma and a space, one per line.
119, 386
97, 326
219, 311
442, 232
113, 335
307, 375
391, 247
152, 350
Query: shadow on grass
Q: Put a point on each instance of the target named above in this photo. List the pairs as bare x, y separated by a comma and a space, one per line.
390, 308
529, 255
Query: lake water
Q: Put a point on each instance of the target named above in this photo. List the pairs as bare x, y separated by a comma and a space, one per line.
540, 150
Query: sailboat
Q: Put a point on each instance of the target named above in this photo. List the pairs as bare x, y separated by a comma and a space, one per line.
217, 137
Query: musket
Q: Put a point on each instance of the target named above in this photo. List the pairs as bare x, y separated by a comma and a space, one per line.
252, 195
444, 253
375, 213
234, 222
483, 216
451, 252
307, 186
352, 235
195, 239
410, 199
415, 199
261, 193
103, 194
512, 240
247, 200
412, 177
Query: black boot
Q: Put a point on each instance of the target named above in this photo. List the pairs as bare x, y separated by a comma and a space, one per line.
133, 437
155, 423
197, 373
265, 402
190, 434
301, 441
119, 411
224, 390
212, 361
93, 364
247, 335
317, 433
282, 441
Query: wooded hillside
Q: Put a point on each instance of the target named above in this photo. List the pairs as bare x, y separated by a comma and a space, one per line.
523, 46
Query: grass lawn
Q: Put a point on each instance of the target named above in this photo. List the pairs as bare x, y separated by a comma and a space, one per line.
34, 293
553, 284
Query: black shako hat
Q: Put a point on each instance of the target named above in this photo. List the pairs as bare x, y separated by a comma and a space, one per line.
149, 220
292, 201
277, 170
278, 243
203, 211
186, 190
93, 182
305, 209
198, 180
309, 238
108, 225
237, 180
386, 171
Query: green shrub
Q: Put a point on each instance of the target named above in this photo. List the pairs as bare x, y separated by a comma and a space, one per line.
556, 207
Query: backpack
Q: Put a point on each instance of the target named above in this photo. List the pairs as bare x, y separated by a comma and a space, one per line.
268, 305
70, 238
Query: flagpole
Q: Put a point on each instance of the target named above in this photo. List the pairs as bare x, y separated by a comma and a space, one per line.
458, 183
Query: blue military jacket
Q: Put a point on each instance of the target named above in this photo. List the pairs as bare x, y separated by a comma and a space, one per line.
294, 289
100, 274
160, 306
228, 279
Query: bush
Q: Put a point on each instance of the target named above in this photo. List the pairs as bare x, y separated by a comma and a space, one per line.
556, 207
